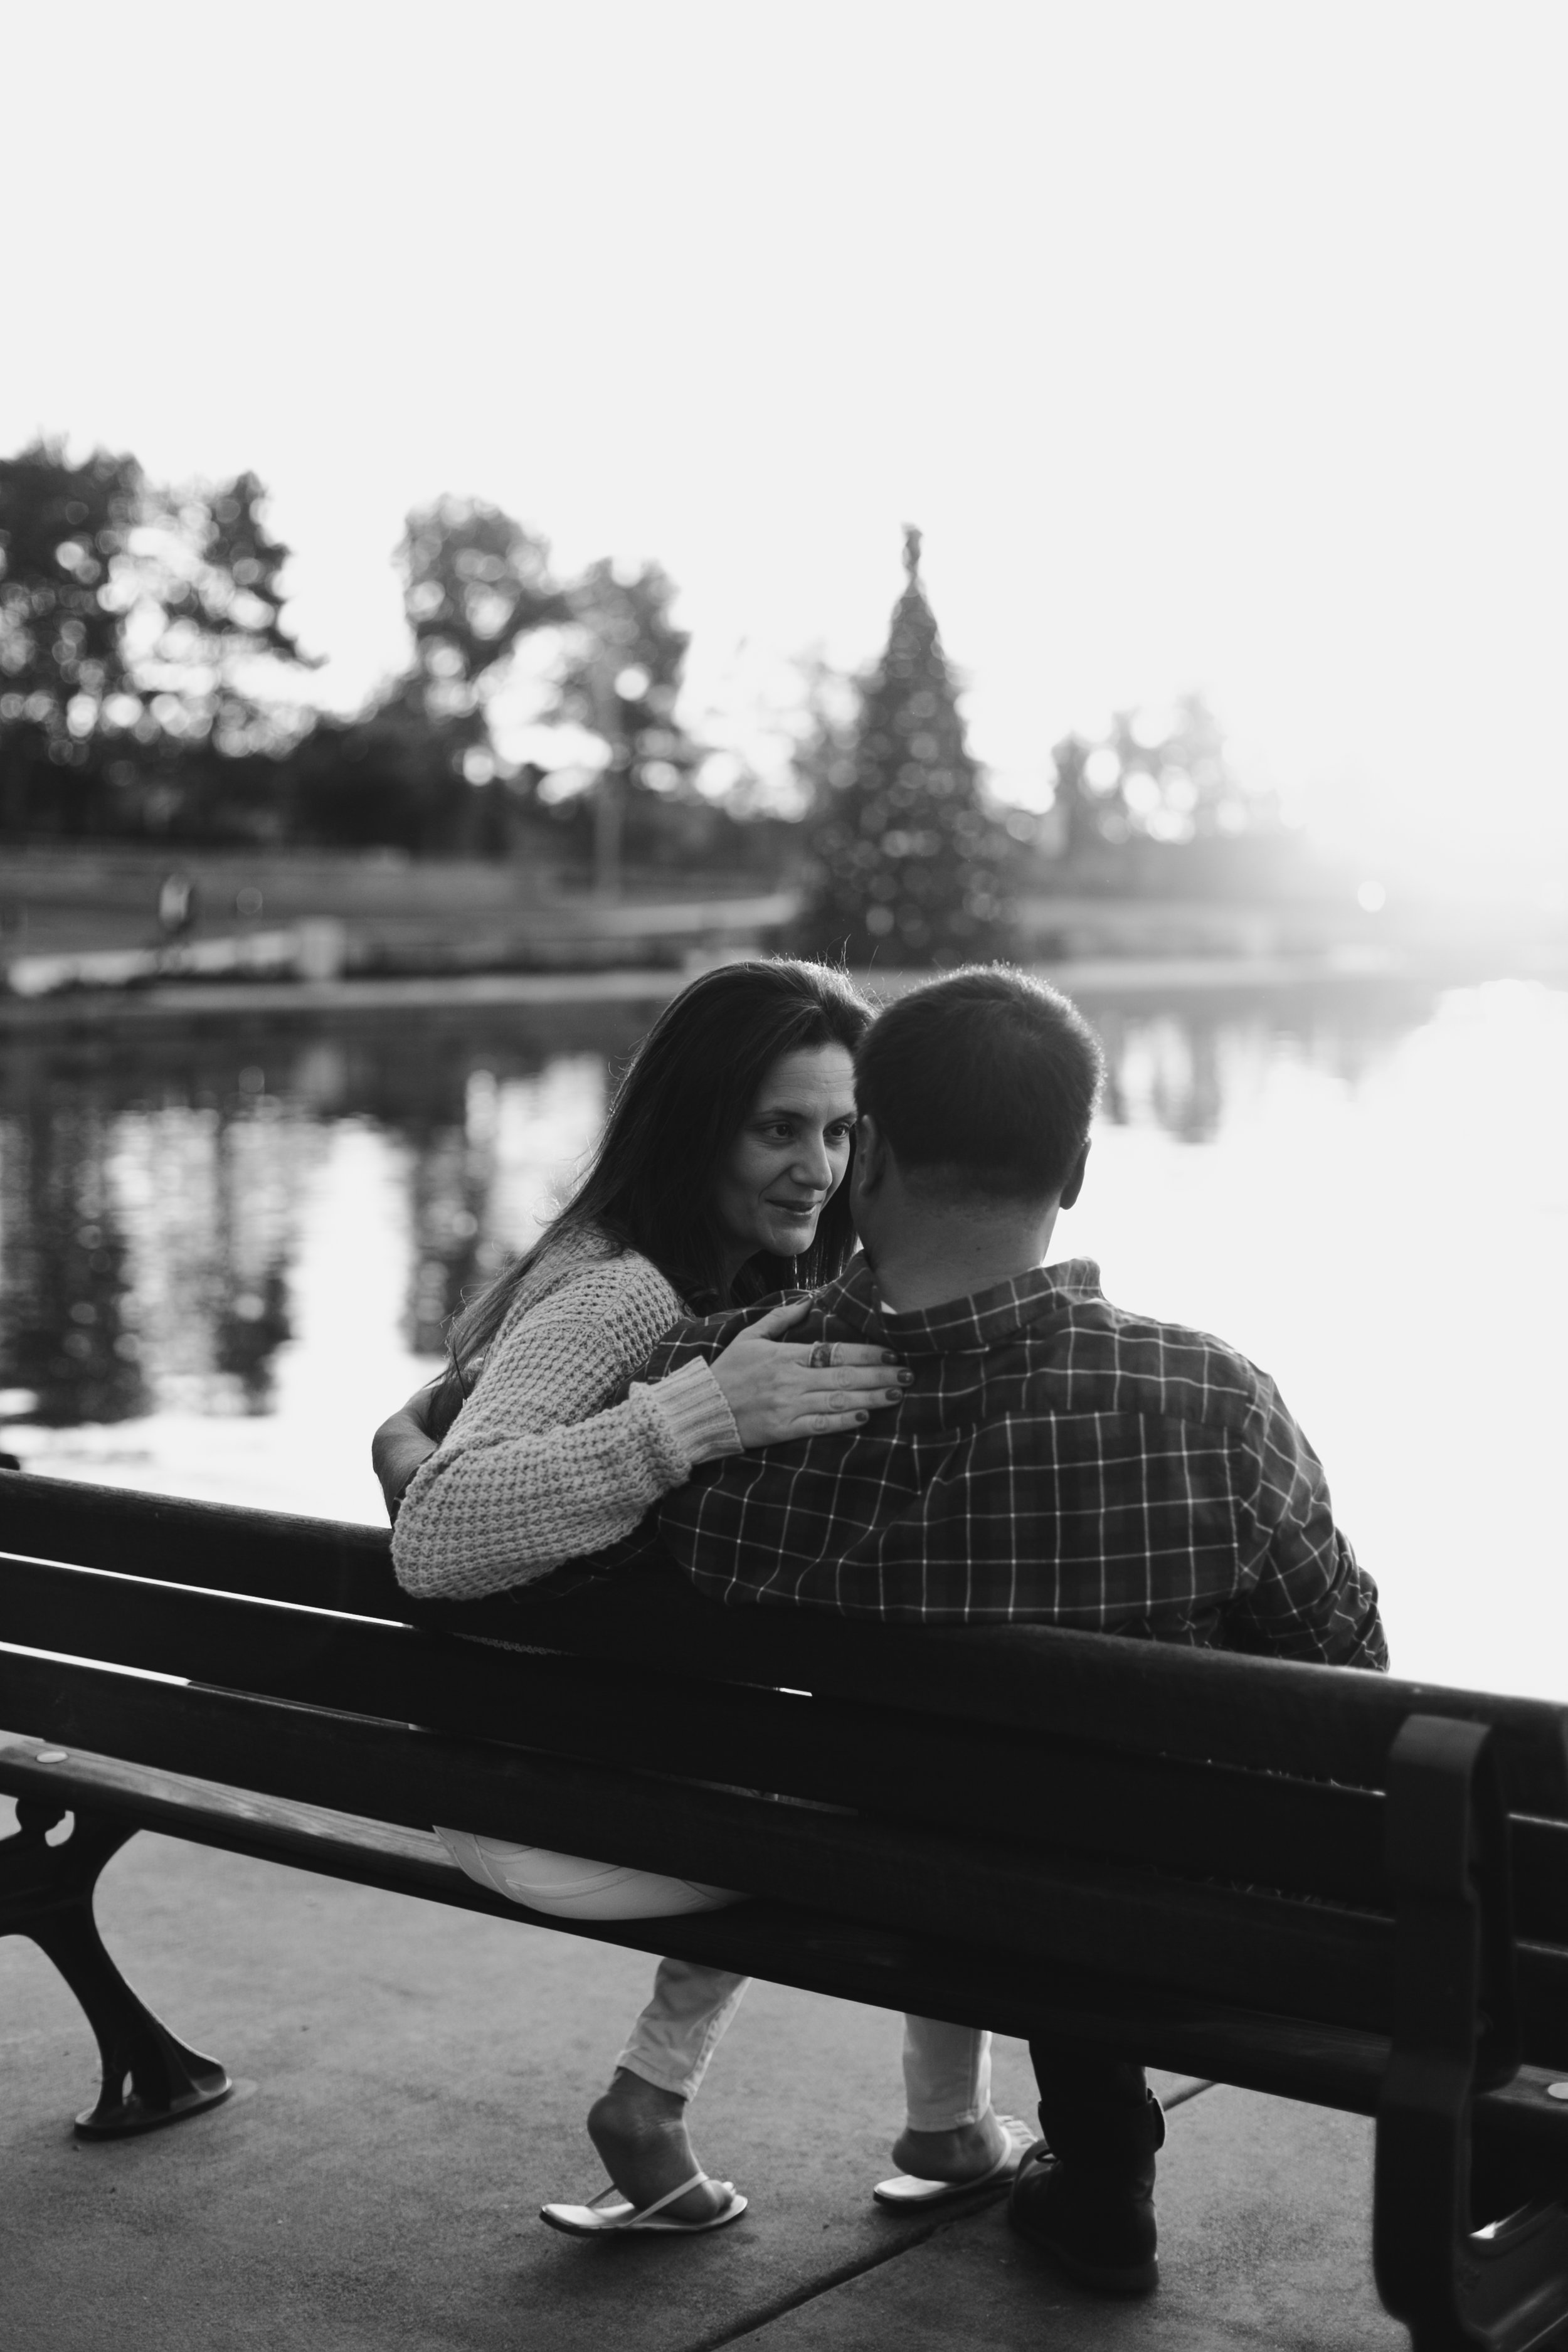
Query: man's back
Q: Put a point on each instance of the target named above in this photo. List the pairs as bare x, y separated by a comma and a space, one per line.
1056, 1460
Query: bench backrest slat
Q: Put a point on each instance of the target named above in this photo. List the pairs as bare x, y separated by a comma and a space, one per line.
1297, 1958
1308, 1838
1316, 1961
323, 1564
1260, 1829
1155, 1697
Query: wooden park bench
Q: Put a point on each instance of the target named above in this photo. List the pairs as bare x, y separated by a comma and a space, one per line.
1305, 1881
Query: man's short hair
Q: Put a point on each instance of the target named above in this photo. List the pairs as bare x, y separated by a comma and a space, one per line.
983, 1083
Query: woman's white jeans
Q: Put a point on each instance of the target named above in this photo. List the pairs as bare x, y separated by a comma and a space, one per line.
947, 2068
679, 2031
947, 2074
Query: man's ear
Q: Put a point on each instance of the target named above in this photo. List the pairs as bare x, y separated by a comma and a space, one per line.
1074, 1185
871, 1153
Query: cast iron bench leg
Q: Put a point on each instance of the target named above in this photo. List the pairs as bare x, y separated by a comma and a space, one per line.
46, 1892
1456, 2031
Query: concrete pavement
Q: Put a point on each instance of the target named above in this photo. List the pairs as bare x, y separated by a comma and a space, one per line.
421, 2077
1265, 2217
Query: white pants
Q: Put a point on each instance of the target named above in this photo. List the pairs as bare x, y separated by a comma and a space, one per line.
947, 2068
679, 2031
947, 2074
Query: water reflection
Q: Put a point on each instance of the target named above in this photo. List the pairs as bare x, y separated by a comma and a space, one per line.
153, 1193
224, 1253
67, 1308
1190, 1070
153, 1189
212, 1196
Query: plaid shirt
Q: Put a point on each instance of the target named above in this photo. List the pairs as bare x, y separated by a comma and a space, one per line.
1056, 1461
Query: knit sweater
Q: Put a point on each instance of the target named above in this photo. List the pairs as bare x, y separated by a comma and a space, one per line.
557, 1451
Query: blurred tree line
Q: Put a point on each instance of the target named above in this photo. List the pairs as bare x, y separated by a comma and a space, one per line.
131, 618
1153, 806
150, 689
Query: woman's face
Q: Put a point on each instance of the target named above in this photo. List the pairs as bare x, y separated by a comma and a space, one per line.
790, 1156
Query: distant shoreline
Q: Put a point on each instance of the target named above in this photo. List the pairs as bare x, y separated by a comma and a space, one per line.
1098, 977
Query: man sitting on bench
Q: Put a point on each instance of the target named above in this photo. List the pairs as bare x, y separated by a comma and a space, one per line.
1056, 1461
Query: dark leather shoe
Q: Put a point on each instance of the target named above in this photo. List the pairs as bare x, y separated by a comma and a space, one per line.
1101, 2231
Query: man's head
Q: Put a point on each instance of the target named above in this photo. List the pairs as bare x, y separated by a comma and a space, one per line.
976, 1095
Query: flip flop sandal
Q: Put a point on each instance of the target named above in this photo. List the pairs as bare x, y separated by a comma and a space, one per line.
907, 2189
610, 2214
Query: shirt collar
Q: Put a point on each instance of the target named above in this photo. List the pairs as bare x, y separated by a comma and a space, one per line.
986, 1318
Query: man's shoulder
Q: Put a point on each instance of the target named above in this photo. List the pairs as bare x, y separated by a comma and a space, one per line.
1152, 1362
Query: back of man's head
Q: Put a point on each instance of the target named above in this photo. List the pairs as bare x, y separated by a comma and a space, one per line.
982, 1085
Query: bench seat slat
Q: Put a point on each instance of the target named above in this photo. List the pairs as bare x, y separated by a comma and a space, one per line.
1336, 2066
1316, 1959
1297, 1837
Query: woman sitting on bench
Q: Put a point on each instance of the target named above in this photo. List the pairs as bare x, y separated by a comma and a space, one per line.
718, 1179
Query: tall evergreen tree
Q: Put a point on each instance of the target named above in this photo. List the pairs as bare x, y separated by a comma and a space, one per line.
907, 863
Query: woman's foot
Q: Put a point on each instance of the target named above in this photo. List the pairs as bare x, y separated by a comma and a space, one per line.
640, 2133
966, 2153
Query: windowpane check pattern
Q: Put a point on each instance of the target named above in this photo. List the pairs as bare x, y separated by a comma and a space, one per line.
1056, 1461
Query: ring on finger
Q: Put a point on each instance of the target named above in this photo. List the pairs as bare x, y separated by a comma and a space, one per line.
821, 1355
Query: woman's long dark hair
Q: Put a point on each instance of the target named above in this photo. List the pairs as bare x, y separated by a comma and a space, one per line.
684, 1098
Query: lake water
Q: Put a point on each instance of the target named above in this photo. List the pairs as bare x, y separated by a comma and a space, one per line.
226, 1250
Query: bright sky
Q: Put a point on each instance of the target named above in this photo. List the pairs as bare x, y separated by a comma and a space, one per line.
1210, 344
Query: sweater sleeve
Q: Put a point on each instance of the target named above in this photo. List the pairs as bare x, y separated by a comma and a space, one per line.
552, 1456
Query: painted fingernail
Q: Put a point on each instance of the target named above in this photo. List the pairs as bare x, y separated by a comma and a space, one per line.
888, 1358
862, 1417
895, 1396
906, 1378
